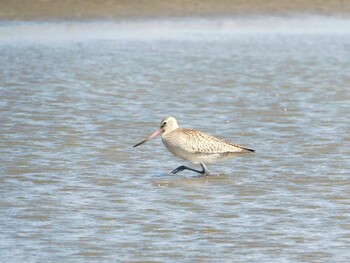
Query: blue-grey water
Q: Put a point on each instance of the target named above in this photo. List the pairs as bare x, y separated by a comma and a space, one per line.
75, 97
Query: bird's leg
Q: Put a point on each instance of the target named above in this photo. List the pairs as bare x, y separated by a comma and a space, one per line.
205, 170
183, 167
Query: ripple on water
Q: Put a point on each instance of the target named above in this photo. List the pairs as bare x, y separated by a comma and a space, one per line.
72, 187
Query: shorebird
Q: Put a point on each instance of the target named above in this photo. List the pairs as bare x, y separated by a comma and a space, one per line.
194, 146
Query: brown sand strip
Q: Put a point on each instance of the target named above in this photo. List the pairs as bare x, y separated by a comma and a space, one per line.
121, 9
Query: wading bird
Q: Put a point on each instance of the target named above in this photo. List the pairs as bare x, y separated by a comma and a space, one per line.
194, 146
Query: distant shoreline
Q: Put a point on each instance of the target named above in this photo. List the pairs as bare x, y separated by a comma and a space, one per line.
32, 10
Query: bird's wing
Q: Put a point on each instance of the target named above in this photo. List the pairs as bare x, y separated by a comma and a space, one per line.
200, 142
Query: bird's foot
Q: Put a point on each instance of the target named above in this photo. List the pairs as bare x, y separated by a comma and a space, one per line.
206, 174
183, 167
179, 169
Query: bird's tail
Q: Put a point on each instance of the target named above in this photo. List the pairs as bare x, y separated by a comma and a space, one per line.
241, 148
248, 150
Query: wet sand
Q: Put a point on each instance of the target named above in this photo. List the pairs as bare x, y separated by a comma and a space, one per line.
109, 9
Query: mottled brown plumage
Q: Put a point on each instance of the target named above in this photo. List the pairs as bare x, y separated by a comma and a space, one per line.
194, 146
200, 142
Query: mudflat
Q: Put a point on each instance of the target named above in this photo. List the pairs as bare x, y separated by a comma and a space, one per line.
123, 9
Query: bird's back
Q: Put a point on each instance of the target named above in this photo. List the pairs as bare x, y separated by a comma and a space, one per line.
194, 141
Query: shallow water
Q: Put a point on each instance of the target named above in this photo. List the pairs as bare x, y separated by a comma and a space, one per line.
72, 187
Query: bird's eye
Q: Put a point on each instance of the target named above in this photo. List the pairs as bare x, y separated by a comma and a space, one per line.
164, 123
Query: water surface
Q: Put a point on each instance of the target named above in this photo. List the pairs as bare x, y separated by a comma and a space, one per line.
73, 102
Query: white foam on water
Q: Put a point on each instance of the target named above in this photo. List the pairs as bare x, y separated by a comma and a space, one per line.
170, 29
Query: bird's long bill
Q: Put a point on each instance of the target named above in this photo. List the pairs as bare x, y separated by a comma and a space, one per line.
149, 137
